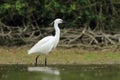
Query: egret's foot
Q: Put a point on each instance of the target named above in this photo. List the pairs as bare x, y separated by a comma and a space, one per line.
46, 61
36, 60
35, 64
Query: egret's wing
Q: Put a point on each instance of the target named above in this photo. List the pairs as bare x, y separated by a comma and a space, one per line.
39, 44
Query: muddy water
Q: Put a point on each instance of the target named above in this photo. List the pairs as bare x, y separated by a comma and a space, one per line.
60, 72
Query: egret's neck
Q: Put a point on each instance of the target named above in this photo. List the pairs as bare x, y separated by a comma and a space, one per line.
57, 30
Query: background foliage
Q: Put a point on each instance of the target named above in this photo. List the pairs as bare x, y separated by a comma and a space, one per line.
96, 14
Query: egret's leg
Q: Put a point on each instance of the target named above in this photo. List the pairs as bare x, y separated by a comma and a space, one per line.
46, 60
36, 60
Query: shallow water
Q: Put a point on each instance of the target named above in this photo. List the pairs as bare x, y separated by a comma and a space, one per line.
60, 72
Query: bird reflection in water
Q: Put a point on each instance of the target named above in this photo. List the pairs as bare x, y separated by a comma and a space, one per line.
47, 73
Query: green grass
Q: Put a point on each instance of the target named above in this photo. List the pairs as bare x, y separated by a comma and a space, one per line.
18, 55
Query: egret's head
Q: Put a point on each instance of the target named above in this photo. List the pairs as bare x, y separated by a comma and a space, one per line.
58, 21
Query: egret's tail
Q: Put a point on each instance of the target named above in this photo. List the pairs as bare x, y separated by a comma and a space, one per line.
29, 52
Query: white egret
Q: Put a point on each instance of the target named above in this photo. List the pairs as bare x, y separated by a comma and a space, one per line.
45, 45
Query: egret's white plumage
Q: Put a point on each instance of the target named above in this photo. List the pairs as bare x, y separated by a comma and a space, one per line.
45, 45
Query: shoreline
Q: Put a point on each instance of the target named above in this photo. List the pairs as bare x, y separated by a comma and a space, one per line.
75, 56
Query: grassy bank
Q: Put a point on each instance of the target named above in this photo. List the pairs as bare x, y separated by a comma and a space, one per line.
18, 55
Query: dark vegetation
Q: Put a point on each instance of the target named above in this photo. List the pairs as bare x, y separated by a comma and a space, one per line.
91, 23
